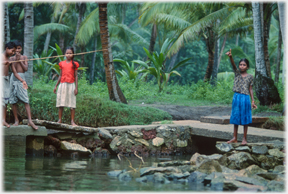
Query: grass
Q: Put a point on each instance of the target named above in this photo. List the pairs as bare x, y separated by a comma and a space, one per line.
275, 123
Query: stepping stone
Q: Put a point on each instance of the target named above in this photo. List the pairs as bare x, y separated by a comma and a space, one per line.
226, 119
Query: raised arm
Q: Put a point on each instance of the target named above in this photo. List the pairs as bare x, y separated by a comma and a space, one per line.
231, 60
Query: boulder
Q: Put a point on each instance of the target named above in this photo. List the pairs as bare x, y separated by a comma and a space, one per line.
135, 133
142, 179
105, 134
279, 169
115, 173
66, 146
196, 177
209, 166
268, 175
159, 178
251, 170
224, 147
240, 160
249, 180
233, 185
276, 186
180, 143
276, 153
153, 170
173, 163
125, 176
259, 150
115, 142
174, 176
243, 149
143, 141
157, 141
194, 158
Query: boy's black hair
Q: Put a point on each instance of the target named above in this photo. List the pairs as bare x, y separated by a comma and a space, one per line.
10, 45
245, 60
72, 49
17, 43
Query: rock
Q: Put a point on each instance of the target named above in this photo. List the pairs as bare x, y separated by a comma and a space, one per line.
227, 170
74, 147
200, 159
64, 135
196, 177
240, 160
50, 140
157, 141
268, 175
114, 173
174, 176
224, 147
149, 134
153, 170
209, 166
105, 134
181, 144
215, 156
50, 150
215, 179
278, 186
125, 176
249, 180
115, 142
233, 185
279, 169
142, 179
164, 130
243, 149
251, 170
143, 141
159, 178
135, 133
259, 150
276, 152
173, 163
194, 158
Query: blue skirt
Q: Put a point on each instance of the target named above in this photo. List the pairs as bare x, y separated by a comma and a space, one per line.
241, 113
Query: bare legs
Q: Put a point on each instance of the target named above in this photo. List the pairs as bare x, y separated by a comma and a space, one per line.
4, 117
234, 139
27, 107
72, 115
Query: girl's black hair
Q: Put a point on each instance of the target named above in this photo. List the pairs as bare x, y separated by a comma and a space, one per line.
72, 49
17, 43
245, 60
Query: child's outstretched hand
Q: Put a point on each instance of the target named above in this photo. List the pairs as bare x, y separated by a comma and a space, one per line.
75, 91
229, 53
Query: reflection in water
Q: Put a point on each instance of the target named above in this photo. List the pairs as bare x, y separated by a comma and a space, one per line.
82, 174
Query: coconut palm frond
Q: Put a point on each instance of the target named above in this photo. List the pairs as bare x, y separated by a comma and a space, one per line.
172, 21
89, 27
237, 27
44, 28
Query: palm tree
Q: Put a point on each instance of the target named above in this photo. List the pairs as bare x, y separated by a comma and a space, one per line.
82, 8
266, 91
282, 18
6, 24
29, 40
115, 92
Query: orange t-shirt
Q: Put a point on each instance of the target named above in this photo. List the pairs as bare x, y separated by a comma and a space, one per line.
68, 72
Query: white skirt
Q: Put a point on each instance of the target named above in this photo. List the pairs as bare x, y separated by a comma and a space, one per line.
66, 96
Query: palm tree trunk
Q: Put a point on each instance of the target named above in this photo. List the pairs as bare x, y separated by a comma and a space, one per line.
6, 24
82, 8
215, 65
266, 91
29, 40
93, 62
266, 27
282, 19
278, 56
82, 56
237, 40
210, 44
153, 38
48, 37
115, 92
61, 42
222, 49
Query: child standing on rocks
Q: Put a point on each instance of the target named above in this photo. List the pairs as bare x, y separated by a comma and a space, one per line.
241, 113
18, 85
9, 51
68, 88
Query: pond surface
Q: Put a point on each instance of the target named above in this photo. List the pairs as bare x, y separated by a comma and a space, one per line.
23, 173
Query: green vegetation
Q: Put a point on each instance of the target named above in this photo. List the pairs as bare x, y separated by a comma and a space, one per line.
275, 123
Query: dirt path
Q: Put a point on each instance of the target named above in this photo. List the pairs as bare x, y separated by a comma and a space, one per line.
194, 113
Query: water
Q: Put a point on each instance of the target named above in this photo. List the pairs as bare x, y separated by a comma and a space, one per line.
24, 173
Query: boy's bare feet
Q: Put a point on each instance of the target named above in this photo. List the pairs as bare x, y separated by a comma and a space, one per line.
59, 121
16, 123
5, 124
232, 141
31, 124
